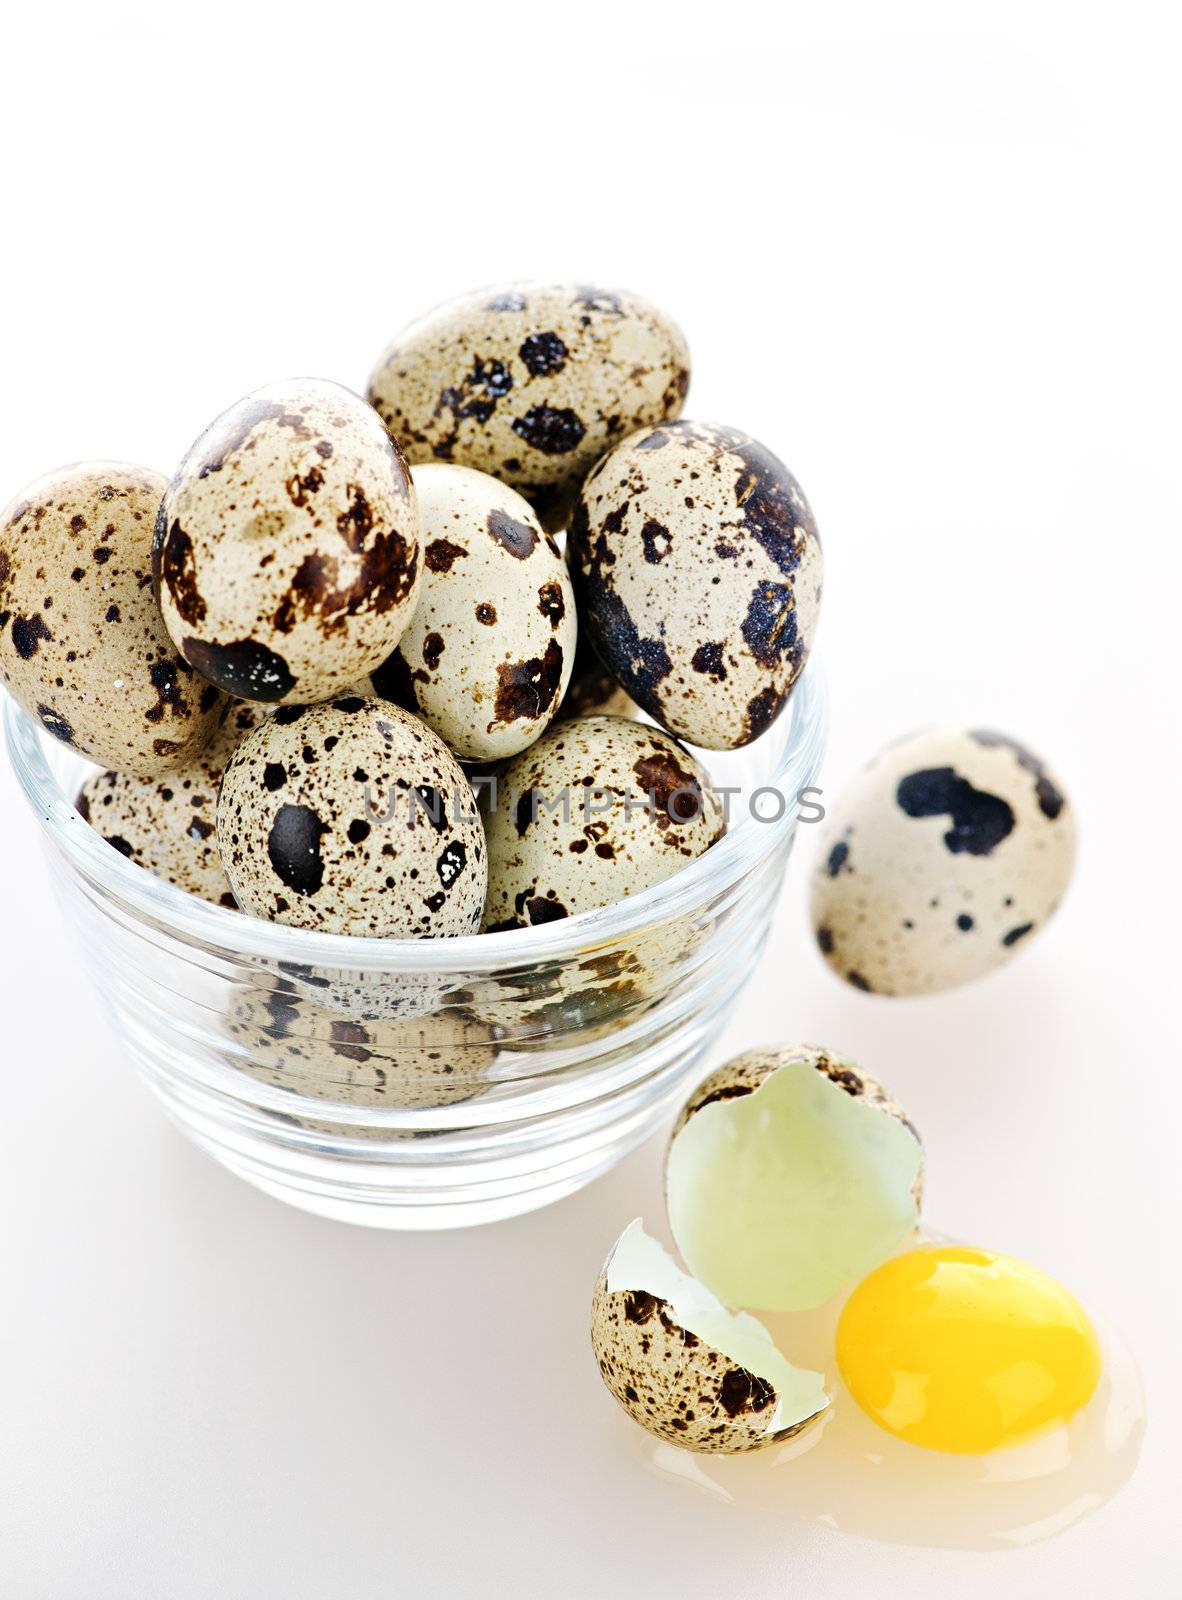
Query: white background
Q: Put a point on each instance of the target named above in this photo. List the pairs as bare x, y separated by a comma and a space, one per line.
930, 254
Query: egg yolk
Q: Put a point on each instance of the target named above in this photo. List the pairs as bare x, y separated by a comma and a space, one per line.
965, 1350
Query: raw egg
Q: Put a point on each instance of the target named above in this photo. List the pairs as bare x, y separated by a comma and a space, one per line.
965, 1350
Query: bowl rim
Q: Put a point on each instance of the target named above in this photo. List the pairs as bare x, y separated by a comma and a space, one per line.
241, 935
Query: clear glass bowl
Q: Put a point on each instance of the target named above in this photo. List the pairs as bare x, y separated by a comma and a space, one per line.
434, 1083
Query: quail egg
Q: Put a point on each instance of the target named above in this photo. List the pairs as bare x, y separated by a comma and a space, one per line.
487, 655
286, 552
531, 383
314, 1051
940, 860
82, 645
168, 824
598, 809
698, 571
352, 817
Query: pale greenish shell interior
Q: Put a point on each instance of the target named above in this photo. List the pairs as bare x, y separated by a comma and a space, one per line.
780, 1197
640, 1262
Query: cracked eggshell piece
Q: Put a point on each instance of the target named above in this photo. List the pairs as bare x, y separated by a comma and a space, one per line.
83, 648
697, 568
487, 656
940, 861
531, 383
286, 553
790, 1173
352, 817
168, 825
598, 809
683, 1366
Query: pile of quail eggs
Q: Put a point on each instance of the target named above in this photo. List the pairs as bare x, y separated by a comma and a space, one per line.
298, 657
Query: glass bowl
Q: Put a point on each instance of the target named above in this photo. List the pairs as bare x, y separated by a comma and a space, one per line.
433, 1083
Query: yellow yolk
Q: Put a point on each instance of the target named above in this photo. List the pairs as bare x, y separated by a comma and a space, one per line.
965, 1350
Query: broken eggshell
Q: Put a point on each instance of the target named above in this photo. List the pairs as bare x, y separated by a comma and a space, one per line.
790, 1173
686, 1368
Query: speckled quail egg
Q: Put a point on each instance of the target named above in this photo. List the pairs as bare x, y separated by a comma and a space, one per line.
352, 817
531, 383
598, 809
941, 859
168, 825
592, 691
82, 645
486, 657
685, 1367
286, 552
698, 572
790, 1172
313, 1051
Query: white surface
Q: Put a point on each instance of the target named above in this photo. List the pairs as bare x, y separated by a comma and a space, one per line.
930, 254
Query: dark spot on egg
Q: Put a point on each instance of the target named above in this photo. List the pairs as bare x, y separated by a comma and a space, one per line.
27, 633
770, 626
708, 659
762, 711
656, 540
551, 603
244, 668
539, 910
1012, 937
442, 554
554, 431
838, 857
980, 821
293, 847
543, 353
451, 863
676, 794
486, 614
518, 538
176, 570
528, 688
53, 722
